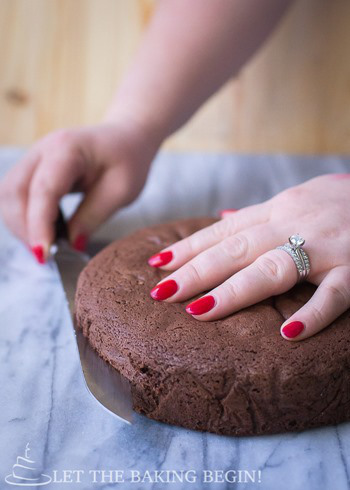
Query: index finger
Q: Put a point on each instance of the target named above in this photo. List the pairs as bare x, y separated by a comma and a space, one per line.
14, 188
50, 182
184, 250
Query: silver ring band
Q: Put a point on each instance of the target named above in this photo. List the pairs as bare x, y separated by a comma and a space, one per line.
299, 256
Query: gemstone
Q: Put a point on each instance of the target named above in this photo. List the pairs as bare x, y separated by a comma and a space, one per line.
296, 240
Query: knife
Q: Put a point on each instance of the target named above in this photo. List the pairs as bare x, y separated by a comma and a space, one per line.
110, 388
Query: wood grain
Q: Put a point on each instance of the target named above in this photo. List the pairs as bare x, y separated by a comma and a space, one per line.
60, 61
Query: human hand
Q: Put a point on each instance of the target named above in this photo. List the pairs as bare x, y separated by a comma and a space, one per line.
237, 257
109, 163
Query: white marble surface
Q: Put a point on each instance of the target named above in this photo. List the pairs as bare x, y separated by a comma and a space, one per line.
44, 401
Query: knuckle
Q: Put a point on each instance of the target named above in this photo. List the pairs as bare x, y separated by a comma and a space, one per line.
317, 314
58, 149
235, 246
221, 229
230, 289
193, 273
62, 136
288, 198
272, 269
186, 245
338, 293
57, 145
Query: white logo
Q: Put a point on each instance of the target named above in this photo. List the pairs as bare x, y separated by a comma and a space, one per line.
25, 474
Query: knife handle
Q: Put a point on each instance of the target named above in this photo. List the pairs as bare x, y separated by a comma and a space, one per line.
61, 228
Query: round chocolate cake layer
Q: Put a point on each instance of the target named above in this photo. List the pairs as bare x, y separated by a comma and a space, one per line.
232, 376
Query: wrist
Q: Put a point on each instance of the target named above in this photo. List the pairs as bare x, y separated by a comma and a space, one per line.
146, 123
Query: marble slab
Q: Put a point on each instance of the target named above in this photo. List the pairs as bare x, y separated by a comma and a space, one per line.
77, 444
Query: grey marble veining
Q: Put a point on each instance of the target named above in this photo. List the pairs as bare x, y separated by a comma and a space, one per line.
43, 398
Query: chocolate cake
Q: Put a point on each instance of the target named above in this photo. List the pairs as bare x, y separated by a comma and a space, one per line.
233, 376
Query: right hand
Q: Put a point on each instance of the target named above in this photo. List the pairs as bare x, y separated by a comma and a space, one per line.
109, 163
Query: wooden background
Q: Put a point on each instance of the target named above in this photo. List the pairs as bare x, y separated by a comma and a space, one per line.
60, 61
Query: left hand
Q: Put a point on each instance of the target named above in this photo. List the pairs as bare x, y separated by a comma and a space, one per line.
237, 257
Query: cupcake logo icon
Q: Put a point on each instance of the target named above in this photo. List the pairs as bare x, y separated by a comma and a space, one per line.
25, 474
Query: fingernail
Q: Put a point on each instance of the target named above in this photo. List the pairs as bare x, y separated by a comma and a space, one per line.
224, 212
164, 290
341, 176
160, 259
293, 329
38, 252
201, 305
80, 243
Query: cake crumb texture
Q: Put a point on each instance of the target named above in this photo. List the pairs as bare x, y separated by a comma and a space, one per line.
235, 376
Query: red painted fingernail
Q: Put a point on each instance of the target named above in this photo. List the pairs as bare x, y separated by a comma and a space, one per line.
201, 305
227, 211
163, 258
38, 252
293, 329
164, 290
80, 243
341, 176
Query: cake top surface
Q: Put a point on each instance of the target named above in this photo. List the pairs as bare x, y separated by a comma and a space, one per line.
114, 293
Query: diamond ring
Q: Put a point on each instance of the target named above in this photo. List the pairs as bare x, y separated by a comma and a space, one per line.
299, 256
